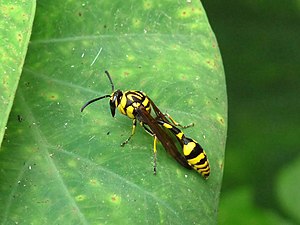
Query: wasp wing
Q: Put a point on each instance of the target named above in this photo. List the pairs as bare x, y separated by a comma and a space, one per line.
162, 117
161, 134
158, 113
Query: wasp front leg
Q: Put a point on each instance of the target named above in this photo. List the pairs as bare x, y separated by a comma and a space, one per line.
132, 133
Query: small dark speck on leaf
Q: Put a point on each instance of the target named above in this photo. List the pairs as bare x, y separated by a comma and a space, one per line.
46, 201
105, 26
79, 14
108, 133
20, 118
20, 37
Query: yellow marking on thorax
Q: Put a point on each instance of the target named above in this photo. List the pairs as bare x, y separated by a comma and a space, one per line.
122, 104
129, 112
145, 102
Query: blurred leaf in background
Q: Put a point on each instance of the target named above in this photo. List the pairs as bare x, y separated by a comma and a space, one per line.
259, 41
60, 166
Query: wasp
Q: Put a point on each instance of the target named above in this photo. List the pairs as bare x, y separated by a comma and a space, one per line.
192, 150
137, 106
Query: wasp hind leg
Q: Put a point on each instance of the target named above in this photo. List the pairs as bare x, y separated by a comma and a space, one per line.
132, 133
178, 124
154, 146
154, 156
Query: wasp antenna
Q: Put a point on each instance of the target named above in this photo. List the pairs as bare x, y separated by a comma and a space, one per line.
93, 100
110, 80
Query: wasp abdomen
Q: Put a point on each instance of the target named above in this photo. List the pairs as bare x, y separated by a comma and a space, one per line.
192, 150
196, 156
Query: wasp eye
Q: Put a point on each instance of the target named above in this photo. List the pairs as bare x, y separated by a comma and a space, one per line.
113, 105
112, 108
115, 101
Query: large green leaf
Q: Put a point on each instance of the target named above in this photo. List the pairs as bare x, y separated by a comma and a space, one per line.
16, 20
60, 166
287, 189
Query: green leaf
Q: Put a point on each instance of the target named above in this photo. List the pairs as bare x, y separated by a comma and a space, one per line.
60, 166
288, 190
15, 29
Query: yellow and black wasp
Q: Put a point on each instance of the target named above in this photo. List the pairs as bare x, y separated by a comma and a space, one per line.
137, 106
192, 150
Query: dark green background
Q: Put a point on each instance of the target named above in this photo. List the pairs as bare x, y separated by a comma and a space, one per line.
259, 42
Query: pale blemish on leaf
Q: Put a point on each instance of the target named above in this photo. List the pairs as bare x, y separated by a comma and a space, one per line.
115, 199
80, 198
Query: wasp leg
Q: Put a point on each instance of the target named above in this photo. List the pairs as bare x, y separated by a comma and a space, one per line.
154, 156
132, 133
154, 145
147, 129
178, 124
